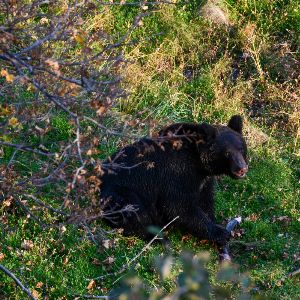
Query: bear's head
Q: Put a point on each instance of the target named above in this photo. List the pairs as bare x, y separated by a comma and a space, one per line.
226, 149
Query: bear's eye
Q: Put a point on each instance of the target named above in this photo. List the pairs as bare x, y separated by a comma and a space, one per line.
227, 154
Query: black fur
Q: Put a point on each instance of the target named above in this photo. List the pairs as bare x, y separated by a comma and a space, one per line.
173, 175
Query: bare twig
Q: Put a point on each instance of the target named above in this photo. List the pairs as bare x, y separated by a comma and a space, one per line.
91, 297
43, 204
36, 219
289, 275
25, 148
145, 248
92, 237
11, 159
51, 177
17, 281
78, 140
108, 131
292, 274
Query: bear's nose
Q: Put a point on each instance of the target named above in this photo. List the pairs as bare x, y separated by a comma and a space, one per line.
242, 171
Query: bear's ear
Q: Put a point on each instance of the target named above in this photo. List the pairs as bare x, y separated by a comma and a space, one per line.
236, 123
208, 131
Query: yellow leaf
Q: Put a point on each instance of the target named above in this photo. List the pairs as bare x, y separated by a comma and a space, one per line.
8, 77
35, 294
7, 203
79, 38
4, 110
31, 88
13, 122
3, 73
2, 256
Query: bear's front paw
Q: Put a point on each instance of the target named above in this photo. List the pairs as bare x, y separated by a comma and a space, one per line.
219, 235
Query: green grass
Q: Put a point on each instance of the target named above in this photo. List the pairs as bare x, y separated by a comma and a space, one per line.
160, 91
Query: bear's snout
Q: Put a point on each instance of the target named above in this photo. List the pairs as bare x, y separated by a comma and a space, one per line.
241, 172
238, 166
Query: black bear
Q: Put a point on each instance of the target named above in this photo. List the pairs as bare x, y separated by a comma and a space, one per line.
173, 175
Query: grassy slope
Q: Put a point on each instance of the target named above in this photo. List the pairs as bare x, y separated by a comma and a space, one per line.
186, 74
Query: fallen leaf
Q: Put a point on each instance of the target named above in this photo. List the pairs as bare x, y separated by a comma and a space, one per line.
31, 87
9, 77
238, 232
91, 285
27, 245
39, 285
52, 63
13, 122
107, 244
285, 255
130, 242
4, 220
35, 294
3, 72
101, 111
185, 238
2, 256
109, 260
65, 260
7, 202
284, 219
44, 20
96, 262
39, 129
252, 217
63, 229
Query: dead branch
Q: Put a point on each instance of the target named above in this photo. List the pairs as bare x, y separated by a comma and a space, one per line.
17, 281
25, 148
43, 204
